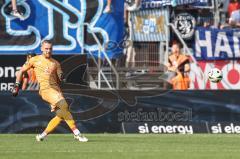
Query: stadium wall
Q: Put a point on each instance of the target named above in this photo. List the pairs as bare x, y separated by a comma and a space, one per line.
98, 111
10, 64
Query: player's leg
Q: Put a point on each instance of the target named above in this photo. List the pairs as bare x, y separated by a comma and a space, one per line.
108, 7
65, 114
51, 126
15, 11
60, 106
51, 96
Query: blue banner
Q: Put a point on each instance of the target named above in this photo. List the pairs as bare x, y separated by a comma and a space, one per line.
184, 2
150, 25
147, 4
62, 22
202, 3
101, 111
216, 44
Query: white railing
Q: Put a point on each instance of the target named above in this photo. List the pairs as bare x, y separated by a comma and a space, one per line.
101, 52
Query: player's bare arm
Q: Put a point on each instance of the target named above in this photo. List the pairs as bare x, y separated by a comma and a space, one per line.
60, 73
19, 76
24, 69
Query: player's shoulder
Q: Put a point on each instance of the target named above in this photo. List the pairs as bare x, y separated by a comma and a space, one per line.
55, 61
36, 58
183, 55
171, 55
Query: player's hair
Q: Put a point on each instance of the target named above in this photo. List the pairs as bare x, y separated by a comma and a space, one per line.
175, 42
47, 41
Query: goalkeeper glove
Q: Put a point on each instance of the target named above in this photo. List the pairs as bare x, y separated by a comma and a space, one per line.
62, 80
15, 89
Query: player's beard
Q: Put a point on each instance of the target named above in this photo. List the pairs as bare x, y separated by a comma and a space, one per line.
47, 55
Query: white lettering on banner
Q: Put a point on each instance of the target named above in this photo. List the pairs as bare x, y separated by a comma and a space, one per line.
156, 4
181, 2
236, 36
229, 129
168, 129
231, 76
143, 129
222, 39
8, 71
222, 44
6, 86
196, 76
1, 72
161, 3
216, 129
203, 43
232, 129
66, 21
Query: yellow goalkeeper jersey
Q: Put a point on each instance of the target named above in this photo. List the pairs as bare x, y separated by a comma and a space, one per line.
47, 71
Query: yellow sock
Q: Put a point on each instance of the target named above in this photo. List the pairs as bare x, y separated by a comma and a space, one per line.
73, 127
53, 124
65, 114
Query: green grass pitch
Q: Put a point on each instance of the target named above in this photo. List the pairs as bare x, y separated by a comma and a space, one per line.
120, 146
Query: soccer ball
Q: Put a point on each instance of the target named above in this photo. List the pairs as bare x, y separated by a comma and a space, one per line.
215, 75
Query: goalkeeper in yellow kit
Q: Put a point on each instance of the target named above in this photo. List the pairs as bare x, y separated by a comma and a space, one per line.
49, 75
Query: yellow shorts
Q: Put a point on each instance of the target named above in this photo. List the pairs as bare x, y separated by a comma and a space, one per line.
52, 96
